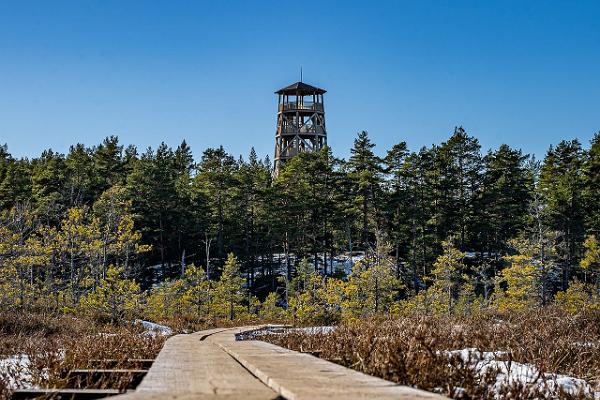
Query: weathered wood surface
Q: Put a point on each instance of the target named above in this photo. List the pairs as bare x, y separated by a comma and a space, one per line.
190, 366
213, 365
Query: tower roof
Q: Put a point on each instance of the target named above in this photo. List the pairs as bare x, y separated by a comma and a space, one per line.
301, 89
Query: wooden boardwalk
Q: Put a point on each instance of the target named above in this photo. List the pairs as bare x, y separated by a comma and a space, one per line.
213, 365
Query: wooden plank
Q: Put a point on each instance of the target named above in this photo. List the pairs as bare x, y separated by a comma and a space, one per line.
82, 378
299, 376
214, 365
190, 366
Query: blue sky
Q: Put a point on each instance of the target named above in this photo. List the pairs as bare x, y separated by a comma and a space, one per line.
526, 73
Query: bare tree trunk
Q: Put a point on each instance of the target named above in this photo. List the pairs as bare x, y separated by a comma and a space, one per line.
183, 263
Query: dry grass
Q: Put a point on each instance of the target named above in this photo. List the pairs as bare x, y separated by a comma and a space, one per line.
57, 344
411, 350
408, 350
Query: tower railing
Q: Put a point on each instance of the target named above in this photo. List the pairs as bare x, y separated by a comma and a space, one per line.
302, 129
310, 106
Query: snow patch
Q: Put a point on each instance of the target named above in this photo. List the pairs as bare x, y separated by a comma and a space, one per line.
510, 373
282, 329
16, 372
153, 329
586, 344
313, 330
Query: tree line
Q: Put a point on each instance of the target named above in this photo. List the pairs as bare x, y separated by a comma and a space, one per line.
447, 217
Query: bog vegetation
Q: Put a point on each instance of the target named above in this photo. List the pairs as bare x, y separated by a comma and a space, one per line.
111, 235
38, 350
488, 355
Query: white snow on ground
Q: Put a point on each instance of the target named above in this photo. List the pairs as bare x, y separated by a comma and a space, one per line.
15, 370
586, 344
514, 373
282, 329
104, 334
153, 329
345, 263
312, 330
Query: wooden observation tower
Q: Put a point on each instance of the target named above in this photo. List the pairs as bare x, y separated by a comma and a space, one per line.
300, 122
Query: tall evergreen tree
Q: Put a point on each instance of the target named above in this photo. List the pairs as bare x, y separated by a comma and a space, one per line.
398, 207
561, 188
251, 194
108, 162
81, 176
365, 173
592, 187
305, 189
15, 180
214, 182
152, 190
48, 185
460, 169
503, 204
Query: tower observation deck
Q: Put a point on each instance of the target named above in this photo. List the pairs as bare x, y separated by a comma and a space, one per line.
300, 122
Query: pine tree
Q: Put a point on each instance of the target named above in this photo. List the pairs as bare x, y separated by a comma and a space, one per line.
577, 298
398, 208
269, 310
186, 212
229, 291
372, 286
168, 301
15, 180
48, 183
115, 300
108, 163
6, 162
80, 245
521, 284
590, 263
591, 191
196, 294
313, 298
365, 172
506, 193
120, 241
529, 279
422, 205
214, 182
447, 275
152, 189
250, 196
561, 188
17, 258
306, 201
460, 169
81, 176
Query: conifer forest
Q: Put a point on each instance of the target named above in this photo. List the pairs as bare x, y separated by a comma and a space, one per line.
443, 229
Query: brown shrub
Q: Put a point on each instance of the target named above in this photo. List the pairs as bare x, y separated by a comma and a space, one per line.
56, 344
413, 350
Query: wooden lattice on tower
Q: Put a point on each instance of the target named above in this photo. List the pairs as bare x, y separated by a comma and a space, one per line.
300, 122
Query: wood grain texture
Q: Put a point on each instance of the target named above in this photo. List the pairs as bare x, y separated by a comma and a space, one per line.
213, 365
